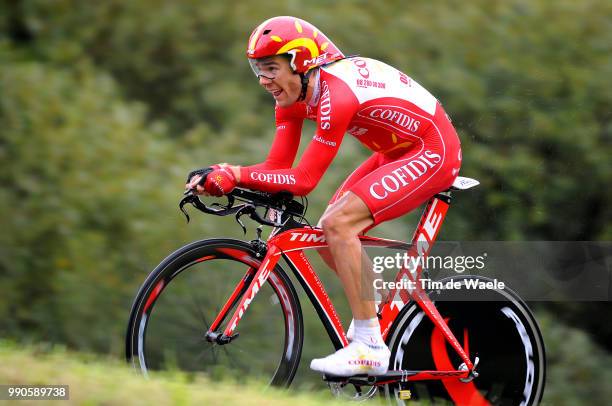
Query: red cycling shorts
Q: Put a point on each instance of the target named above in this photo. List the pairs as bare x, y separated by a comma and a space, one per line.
392, 187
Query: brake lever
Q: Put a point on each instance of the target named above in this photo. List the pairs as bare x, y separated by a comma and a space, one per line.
185, 200
223, 210
191, 197
246, 209
228, 206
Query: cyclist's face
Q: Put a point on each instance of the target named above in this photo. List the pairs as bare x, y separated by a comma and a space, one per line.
277, 77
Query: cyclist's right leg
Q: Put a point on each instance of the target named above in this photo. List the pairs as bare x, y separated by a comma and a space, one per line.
367, 353
362, 170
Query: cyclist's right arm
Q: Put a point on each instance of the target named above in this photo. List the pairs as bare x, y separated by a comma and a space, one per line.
287, 139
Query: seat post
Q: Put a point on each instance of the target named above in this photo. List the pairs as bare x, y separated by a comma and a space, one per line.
446, 196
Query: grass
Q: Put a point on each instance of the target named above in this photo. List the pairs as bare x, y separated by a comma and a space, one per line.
102, 381
578, 373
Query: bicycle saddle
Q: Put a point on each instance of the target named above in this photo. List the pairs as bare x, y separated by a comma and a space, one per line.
463, 183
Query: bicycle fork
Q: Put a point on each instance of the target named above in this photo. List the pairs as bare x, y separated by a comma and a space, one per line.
247, 289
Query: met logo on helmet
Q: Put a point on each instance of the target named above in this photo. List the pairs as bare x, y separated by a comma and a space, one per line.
319, 60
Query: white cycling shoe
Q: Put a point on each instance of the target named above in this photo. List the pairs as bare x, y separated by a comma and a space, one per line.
356, 358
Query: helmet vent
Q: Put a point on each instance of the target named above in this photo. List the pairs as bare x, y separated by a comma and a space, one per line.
266, 32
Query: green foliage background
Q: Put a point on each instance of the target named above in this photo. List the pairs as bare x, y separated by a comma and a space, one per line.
105, 106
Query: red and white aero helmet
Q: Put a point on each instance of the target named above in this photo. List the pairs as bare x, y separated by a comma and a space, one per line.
307, 46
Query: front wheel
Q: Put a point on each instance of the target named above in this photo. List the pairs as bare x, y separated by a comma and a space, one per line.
184, 294
494, 325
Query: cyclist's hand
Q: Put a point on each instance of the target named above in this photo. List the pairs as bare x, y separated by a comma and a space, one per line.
195, 183
195, 179
220, 181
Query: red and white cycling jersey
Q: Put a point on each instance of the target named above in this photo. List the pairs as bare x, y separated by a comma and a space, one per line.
416, 150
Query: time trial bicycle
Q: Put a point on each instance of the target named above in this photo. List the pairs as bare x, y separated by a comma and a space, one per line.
228, 307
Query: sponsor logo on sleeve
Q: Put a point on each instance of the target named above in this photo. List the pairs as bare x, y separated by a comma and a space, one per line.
276, 178
325, 108
324, 141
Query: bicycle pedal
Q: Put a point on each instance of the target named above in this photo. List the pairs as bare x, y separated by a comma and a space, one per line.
338, 378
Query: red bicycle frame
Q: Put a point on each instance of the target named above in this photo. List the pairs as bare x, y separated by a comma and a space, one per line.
292, 243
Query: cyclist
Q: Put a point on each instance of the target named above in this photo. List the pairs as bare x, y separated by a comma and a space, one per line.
416, 153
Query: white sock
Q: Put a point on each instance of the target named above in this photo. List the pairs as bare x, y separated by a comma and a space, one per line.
368, 332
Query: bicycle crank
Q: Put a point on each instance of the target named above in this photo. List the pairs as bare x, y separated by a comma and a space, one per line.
397, 376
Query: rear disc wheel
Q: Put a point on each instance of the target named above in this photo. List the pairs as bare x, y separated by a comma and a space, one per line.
494, 325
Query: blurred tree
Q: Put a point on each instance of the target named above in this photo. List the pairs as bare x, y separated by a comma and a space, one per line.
528, 103
84, 179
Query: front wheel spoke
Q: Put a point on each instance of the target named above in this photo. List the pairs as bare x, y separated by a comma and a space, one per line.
232, 360
198, 307
248, 357
167, 320
193, 307
190, 340
209, 349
